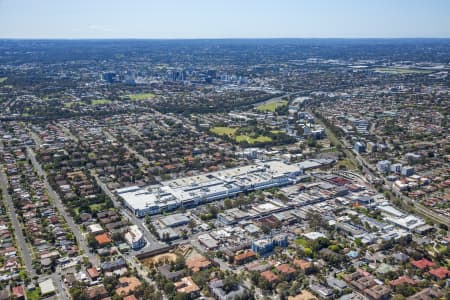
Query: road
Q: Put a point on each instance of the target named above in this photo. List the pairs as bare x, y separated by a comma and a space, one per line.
82, 242
68, 133
143, 160
359, 160
35, 137
61, 291
20, 238
422, 210
152, 241
356, 159
186, 123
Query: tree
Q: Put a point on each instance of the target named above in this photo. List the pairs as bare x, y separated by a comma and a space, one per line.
148, 219
191, 224
181, 296
78, 293
169, 288
228, 203
110, 283
180, 262
117, 237
229, 284
92, 242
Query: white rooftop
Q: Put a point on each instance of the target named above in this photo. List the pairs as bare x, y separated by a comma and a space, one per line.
133, 234
47, 287
314, 235
209, 186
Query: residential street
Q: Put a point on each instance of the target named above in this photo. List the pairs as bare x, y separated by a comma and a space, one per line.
20, 238
152, 241
82, 242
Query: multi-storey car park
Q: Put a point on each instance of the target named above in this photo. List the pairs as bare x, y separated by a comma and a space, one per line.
195, 190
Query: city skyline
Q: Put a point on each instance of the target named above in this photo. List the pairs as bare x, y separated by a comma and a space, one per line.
203, 19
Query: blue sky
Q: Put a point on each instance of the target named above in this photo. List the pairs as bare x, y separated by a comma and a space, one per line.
224, 18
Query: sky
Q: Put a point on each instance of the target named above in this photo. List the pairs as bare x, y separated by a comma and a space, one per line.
168, 19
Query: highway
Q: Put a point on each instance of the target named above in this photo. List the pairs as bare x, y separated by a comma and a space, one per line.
82, 242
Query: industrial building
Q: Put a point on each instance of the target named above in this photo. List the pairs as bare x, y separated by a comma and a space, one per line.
195, 190
175, 220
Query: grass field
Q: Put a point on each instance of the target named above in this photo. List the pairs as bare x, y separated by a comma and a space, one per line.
251, 140
70, 104
231, 132
96, 207
100, 101
348, 164
224, 130
141, 96
272, 106
402, 71
3, 79
34, 294
301, 242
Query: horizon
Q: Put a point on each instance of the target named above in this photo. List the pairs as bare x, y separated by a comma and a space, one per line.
202, 19
223, 38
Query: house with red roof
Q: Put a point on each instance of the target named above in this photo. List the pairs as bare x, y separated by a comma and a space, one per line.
287, 270
440, 273
423, 264
269, 276
18, 292
93, 273
103, 239
402, 280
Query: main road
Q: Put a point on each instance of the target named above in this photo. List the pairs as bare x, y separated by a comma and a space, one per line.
81, 239
359, 160
152, 241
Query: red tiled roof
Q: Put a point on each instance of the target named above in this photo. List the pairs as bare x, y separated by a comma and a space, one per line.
285, 268
127, 285
402, 280
440, 273
198, 263
302, 264
269, 276
245, 255
102, 239
18, 291
93, 273
423, 263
